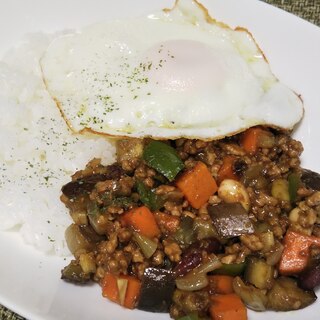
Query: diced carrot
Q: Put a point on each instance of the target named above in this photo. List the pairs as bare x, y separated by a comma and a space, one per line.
133, 291
197, 185
221, 284
110, 288
226, 170
250, 139
296, 252
227, 307
142, 220
166, 221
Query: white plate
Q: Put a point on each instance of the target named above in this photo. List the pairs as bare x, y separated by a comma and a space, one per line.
29, 281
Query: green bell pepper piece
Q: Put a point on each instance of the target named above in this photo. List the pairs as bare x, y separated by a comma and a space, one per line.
163, 158
232, 269
149, 197
293, 185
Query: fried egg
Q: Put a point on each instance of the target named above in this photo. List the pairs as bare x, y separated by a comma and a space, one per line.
174, 73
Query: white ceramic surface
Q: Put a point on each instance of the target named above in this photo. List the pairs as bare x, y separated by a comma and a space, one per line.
30, 281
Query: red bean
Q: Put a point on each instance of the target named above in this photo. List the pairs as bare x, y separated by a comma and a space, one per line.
193, 255
189, 261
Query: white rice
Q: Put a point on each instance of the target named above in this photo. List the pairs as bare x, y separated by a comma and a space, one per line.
38, 152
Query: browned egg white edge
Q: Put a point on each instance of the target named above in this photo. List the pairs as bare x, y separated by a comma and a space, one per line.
210, 20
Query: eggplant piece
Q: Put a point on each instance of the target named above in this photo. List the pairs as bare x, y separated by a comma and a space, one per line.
259, 273
232, 269
311, 179
253, 298
230, 219
253, 176
157, 289
74, 273
310, 278
285, 295
86, 184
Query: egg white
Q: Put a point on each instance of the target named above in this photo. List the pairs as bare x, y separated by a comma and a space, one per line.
176, 73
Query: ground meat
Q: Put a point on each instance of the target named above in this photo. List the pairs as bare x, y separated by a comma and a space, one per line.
100, 195
189, 302
251, 241
172, 250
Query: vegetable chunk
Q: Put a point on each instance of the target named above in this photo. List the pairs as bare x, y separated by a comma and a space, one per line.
142, 220
163, 158
227, 307
230, 219
296, 253
197, 185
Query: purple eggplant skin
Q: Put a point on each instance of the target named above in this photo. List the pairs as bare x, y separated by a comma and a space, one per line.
230, 219
157, 289
311, 179
310, 278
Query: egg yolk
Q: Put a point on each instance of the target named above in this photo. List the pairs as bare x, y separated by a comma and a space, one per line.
184, 65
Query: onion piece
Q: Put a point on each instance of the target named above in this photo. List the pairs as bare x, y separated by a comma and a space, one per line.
197, 278
147, 246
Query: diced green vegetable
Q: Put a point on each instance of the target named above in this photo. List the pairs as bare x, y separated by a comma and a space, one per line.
149, 197
109, 199
294, 182
147, 246
280, 189
259, 273
204, 229
186, 234
163, 158
232, 269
